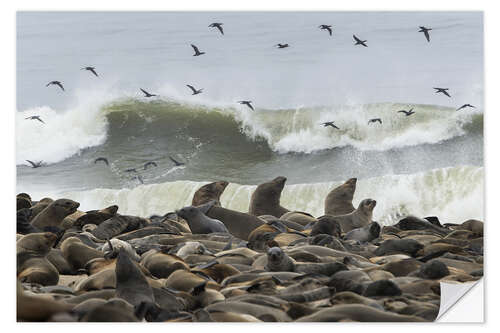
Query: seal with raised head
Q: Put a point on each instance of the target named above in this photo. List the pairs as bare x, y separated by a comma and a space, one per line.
199, 223
359, 218
265, 199
54, 213
339, 200
209, 192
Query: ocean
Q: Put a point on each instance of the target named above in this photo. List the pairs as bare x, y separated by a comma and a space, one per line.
430, 163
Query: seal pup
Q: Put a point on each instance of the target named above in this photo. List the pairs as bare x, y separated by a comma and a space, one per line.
35, 165
359, 218
218, 26
35, 118
103, 159
265, 199
247, 103
329, 123
364, 234
54, 213
426, 32
443, 91
146, 94
326, 27
196, 51
465, 106
194, 90
199, 223
279, 261
209, 192
57, 83
90, 69
339, 200
359, 41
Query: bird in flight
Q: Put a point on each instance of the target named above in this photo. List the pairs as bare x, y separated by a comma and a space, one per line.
218, 26
35, 165
326, 27
281, 46
247, 103
131, 170
146, 94
426, 32
196, 51
195, 92
91, 69
374, 120
104, 159
149, 163
177, 163
56, 83
465, 106
407, 113
329, 123
443, 90
35, 118
359, 41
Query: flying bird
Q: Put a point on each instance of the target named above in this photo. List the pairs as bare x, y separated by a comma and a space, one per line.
56, 83
104, 159
329, 123
443, 90
91, 69
407, 113
374, 120
218, 26
177, 163
247, 103
36, 118
149, 163
426, 32
359, 41
146, 94
195, 92
465, 106
196, 51
282, 46
35, 165
131, 170
326, 27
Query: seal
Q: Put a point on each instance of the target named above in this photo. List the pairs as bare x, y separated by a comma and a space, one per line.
161, 265
265, 199
301, 218
37, 207
23, 200
364, 234
199, 223
328, 225
78, 254
359, 218
339, 200
54, 213
209, 192
279, 261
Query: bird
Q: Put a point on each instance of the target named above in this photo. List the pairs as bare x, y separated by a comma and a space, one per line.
195, 92
196, 51
281, 46
91, 69
146, 94
35, 165
247, 103
326, 27
104, 159
359, 41
56, 83
177, 163
149, 163
35, 118
443, 90
426, 32
329, 123
131, 170
407, 113
374, 120
218, 26
465, 106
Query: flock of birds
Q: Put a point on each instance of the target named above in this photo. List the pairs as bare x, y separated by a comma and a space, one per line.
197, 52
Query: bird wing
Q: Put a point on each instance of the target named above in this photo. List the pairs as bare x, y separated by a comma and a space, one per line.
379, 120
28, 118
460, 108
329, 30
446, 93
60, 85
356, 38
220, 29
32, 163
38, 118
402, 111
176, 162
195, 48
191, 87
249, 105
426, 33
93, 71
144, 91
48, 84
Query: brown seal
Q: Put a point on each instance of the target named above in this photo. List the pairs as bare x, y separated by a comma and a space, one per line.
54, 213
339, 200
265, 199
77, 254
209, 192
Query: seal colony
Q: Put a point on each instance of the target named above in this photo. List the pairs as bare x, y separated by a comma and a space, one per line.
207, 263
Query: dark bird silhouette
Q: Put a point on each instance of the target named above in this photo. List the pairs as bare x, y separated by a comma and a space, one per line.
177, 163
104, 159
196, 51
359, 41
407, 113
35, 165
465, 106
282, 46
35, 118
131, 170
91, 69
146, 94
150, 163
374, 120
56, 83
329, 123
139, 178
195, 92
426, 32
443, 90
247, 103
326, 27
218, 26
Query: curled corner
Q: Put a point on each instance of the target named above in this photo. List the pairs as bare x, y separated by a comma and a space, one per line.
451, 293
